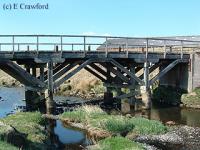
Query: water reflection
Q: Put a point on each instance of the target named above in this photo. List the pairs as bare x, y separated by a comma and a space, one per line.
65, 138
190, 117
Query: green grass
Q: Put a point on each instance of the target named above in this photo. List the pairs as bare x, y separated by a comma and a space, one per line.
6, 146
191, 99
114, 124
118, 124
29, 123
144, 126
118, 143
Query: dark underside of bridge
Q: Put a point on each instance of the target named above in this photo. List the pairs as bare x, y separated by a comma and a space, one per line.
40, 71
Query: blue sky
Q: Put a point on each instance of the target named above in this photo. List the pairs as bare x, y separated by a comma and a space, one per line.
104, 17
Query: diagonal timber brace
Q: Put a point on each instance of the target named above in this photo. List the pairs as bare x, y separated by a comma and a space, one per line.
118, 65
95, 74
118, 74
22, 75
164, 71
72, 73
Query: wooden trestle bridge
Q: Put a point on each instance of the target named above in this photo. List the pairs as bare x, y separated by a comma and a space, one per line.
44, 62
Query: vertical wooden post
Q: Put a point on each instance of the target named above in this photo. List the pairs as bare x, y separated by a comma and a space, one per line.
145, 90
28, 93
108, 96
132, 89
42, 79
34, 71
50, 105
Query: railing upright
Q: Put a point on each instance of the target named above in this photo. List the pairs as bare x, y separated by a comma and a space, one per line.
127, 52
181, 49
84, 44
37, 45
147, 49
13, 43
61, 43
72, 47
18, 47
165, 50
106, 47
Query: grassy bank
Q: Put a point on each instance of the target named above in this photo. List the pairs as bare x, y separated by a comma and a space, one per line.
105, 126
29, 124
191, 100
118, 143
6, 146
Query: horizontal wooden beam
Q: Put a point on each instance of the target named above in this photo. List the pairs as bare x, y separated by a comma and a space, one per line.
132, 94
113, 85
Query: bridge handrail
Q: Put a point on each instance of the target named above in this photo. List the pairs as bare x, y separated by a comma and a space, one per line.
146, 43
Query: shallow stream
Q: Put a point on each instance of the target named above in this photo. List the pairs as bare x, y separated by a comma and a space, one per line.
73, 139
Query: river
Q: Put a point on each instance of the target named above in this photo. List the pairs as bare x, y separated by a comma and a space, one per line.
12, 97
66, 138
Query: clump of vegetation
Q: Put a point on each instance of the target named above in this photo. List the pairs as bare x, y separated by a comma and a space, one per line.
7, 146
30, 124
83, 113
118, 143
95, 117
167, 95
145, 126
118, 125
192, 99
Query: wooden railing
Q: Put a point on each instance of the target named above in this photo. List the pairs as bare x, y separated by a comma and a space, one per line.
60, 43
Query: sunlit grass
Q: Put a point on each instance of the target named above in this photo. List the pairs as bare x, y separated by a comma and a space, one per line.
118, 143
6, 146
29, 123
114, 124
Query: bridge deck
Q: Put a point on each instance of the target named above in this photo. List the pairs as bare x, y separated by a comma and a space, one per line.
57, 56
